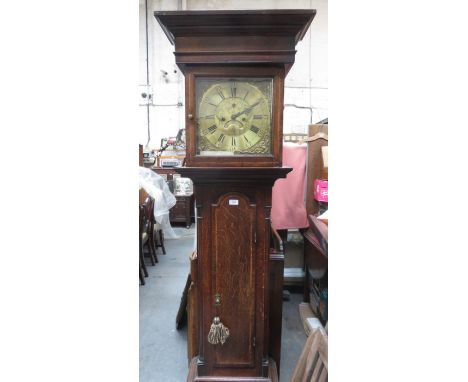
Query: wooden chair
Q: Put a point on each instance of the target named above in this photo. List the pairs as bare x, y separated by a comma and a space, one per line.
143, 270
142, 273
157, 230
146, 235
148, 229
313, 362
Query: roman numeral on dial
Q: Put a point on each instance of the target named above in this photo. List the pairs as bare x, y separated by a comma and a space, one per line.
212, 129
221, 138
255, 129
233, 90
220, 92
210, 103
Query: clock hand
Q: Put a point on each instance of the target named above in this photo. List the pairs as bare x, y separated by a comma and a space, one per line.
246, 110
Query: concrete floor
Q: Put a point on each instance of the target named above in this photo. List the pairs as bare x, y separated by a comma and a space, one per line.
163, 349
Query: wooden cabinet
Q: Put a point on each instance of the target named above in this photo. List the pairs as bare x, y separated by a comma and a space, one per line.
182, 211
316, 237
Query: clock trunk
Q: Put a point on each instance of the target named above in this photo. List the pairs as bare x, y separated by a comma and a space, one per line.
233, 235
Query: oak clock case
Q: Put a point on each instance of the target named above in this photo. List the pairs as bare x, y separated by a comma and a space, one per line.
235, 63
234, 116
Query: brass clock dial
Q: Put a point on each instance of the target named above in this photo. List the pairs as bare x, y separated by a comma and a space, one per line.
234, 116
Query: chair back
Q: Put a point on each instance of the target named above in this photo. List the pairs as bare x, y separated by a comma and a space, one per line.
141, 219
313, 362
146, 215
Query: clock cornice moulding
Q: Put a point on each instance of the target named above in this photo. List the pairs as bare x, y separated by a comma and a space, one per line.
255, 36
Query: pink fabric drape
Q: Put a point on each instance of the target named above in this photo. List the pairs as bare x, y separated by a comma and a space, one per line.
288, 203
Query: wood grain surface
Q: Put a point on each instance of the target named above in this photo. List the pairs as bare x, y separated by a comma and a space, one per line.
233, 264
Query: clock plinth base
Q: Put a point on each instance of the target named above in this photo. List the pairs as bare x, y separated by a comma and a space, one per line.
193, 375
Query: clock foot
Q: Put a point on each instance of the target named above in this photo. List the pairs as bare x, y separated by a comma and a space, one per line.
193, 375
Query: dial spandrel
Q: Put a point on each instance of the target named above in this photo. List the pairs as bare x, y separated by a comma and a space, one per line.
234, 116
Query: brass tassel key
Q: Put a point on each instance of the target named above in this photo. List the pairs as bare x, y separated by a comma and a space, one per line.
218, 332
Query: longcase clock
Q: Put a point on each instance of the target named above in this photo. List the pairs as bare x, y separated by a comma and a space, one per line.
234, 64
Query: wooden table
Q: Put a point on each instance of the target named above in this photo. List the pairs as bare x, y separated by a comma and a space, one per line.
316, 266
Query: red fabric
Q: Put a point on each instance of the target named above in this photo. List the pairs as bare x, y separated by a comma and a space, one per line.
288, 203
